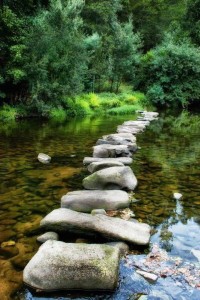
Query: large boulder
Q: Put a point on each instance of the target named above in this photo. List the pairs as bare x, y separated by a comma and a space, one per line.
61, 266
99, 165
124, 160
66, 220
111, 179
107, 150
86, 201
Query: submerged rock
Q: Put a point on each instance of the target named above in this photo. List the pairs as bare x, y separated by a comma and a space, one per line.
61, 266
123, 247
123, 160
44, 158
107, 150
99, 165
48, 236
86, 201
111, 178
66, 220
177, 196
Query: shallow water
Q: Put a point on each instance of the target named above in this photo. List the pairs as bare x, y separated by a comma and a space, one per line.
167, 162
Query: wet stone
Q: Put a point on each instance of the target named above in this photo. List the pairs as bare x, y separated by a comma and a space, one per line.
124, 160
66, 220
48, 236
86, 201
7, 235
61, 266
111, 179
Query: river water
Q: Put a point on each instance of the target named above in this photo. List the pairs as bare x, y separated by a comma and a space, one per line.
168, 162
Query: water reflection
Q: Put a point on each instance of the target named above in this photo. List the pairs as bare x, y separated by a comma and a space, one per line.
168, 162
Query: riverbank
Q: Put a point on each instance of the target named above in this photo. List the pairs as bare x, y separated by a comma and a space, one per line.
123, 103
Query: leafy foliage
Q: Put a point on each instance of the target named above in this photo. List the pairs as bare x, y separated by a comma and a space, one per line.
171, 73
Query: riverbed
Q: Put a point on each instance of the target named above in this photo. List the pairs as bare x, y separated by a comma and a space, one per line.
168, 161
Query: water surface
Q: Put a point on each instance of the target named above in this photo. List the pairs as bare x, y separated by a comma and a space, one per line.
168, 162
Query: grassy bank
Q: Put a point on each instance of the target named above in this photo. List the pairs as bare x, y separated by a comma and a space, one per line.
126, 102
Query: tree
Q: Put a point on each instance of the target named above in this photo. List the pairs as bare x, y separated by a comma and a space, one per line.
57, 58
12, 47
125, 55
171, 73
191, 21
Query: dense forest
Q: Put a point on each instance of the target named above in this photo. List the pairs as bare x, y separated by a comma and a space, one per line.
53, 50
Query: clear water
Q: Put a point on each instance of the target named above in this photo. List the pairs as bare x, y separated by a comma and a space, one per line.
168, 162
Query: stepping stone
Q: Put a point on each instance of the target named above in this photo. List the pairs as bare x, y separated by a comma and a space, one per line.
96, 166
140, 124
66, 220
128, 129
124, 160
116, 139
86, 201
62, 266
127, 136
106, 151
110, 179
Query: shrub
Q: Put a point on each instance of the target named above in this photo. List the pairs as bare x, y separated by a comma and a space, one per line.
8, 113
58, 114
171, 74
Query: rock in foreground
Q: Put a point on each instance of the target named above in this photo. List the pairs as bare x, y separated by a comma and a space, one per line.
111, 179
86, 201
66, 220
61, 266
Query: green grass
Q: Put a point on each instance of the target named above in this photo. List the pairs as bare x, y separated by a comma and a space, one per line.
125, 102
124, 109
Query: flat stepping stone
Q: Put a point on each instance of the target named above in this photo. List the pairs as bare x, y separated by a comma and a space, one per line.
124, 160
62, 266
110, 179
96, 166
138, 123
116, 139
129, 129
127, 136
107, 150
86, 201
66, 220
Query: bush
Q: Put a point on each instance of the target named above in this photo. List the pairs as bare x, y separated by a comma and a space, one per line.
8, 113
171, 74
58, 114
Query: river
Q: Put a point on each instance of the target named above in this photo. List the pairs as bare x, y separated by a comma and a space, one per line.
168, 161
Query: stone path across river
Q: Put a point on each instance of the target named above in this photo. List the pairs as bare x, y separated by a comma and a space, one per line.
64, 266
